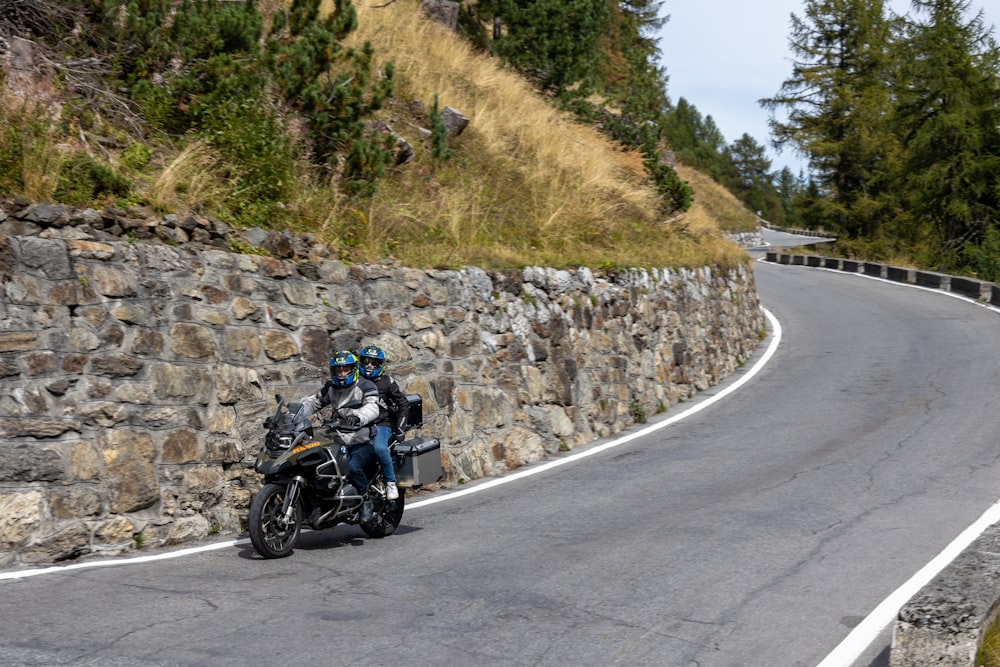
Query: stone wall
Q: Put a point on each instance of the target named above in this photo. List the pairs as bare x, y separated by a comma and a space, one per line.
134, 376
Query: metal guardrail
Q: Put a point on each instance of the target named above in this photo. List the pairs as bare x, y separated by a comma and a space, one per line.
979, 290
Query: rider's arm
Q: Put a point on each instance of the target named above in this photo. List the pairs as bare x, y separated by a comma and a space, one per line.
401, 403
368, 411
316, 402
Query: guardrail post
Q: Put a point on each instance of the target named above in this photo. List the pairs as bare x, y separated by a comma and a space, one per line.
873, 269
970, 287
901, 274
933, 280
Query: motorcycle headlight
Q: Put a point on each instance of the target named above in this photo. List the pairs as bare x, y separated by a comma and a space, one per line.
278, 442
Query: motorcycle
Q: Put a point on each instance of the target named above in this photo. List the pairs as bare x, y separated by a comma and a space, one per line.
305, 479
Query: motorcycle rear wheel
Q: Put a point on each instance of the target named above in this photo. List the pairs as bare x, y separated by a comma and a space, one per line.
386, 515
270, 535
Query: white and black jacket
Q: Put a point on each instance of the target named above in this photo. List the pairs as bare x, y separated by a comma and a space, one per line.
360, 400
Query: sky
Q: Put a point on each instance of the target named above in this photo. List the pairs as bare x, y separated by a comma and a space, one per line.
724, 55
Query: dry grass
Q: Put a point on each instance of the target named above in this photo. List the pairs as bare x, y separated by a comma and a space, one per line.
28, 112
714, 206
527, 183
988, 654
42, 161
190, 180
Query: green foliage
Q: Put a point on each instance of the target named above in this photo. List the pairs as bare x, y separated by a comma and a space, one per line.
83, 181
243, 248
638, 412
303, 49
751, 180
555, 43
204, 69
949, 116
17, 126
136, 156
986, 257
677, 195
839, 104
900, 120
248, 132
696, 140
439, 136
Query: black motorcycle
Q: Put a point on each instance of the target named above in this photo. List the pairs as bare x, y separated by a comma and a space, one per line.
305, 480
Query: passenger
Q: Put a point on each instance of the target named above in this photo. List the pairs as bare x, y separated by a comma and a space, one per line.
393, 407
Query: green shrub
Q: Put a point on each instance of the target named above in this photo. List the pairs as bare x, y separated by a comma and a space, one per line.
84, 181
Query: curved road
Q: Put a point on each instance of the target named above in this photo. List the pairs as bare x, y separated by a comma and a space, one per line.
758, 531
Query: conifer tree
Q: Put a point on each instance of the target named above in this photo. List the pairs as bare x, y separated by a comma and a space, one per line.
949, 120
838, 104
695, 139
336, 88
632, 78
752, 178
789, 189
555, 43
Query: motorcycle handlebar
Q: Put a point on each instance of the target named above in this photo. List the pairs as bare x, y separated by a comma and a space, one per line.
343, 425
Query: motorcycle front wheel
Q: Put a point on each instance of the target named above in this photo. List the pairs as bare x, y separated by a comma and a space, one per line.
270, 534
386, 515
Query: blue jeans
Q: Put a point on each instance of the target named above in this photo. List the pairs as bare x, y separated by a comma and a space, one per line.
381, 442
358, 458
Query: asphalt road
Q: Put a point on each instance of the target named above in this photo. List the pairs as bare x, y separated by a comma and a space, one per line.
757, 531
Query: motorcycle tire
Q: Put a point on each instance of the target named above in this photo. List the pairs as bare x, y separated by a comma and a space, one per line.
386, 515
270, 535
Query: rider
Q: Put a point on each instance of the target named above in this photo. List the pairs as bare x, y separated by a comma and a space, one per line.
391, 400
354, 400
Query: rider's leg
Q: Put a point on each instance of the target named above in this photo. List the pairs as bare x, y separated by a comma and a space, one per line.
357, 458
381, 443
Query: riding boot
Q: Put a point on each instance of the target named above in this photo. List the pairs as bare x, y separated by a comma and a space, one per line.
366, 511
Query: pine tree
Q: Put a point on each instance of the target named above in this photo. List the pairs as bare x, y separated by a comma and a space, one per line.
752, 183
439, 137
789, 189
632, 78
334, 87
838, 102
555, 43
695, 139
949, 119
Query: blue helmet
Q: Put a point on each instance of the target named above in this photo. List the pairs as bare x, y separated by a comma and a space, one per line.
372, 361
344, 368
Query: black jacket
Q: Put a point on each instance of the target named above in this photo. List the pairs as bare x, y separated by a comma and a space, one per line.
392, 403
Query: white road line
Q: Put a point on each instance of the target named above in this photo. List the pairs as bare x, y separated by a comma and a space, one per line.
771, 349
844, 655
862, 636
866, 632
756, 368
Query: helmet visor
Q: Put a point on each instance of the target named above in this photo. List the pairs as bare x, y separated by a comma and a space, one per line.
341, 371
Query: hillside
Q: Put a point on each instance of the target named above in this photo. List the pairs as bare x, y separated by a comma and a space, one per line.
523, 185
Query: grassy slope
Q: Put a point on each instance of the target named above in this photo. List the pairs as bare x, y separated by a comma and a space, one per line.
526, 185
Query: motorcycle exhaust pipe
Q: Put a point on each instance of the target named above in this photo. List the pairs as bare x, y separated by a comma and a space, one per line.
344, 504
